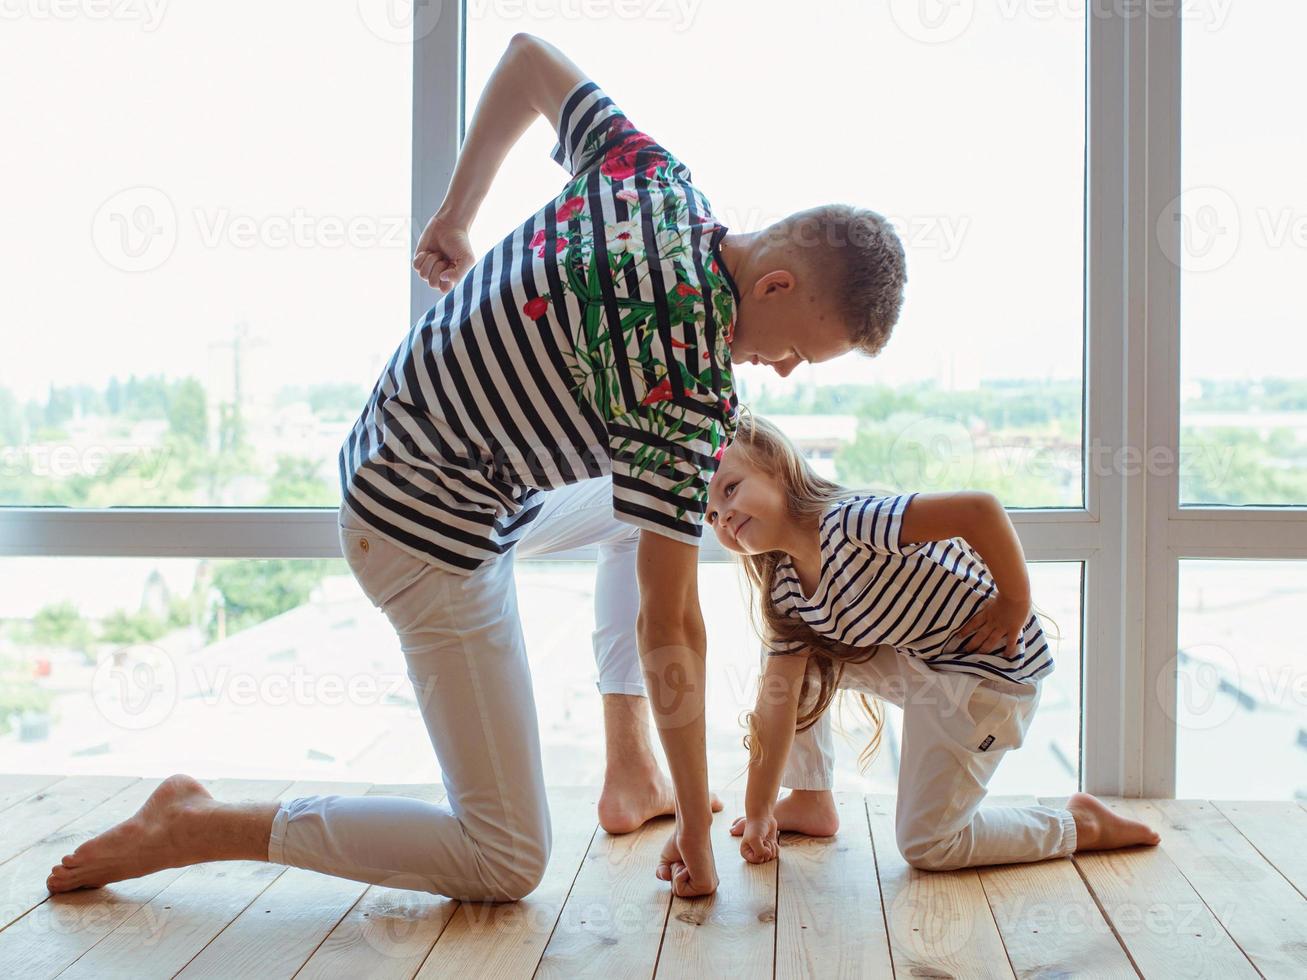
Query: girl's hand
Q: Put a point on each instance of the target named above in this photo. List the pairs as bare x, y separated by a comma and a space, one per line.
998, 622
760, 841
444, 253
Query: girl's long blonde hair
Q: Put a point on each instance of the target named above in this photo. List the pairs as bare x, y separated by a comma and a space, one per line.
807, 496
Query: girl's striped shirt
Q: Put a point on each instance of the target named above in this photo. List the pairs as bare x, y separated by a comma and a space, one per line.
591, 340
876, 589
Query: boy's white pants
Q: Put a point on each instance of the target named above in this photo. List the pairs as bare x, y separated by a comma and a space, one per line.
956, 729
462, 640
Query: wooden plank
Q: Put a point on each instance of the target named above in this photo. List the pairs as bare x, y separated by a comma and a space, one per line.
507, 939
1049, 921
829, 918
1262, 912
1159, 919
939, 922
389, 931
22, 879
52, 936
276, 934
616, 911
42, 934
44, 812
14, 788
172, 926
732, 932
1278, 829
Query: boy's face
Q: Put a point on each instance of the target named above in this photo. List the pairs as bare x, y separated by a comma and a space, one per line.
746, 507
779, 326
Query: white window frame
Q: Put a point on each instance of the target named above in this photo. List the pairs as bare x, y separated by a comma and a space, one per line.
1130, 535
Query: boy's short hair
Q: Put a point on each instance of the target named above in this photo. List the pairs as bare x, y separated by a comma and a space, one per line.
855, 258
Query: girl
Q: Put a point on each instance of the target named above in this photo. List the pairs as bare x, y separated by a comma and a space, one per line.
918, 599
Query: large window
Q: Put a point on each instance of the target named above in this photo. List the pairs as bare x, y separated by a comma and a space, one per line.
978, 162
205, 246
1242, 690
207, 255
1242, 252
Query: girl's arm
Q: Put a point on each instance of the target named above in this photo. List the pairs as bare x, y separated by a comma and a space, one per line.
776, 711
980, 520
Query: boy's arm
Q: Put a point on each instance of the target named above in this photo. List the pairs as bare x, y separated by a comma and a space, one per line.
532, 78
979, 519
673, 642
777, 710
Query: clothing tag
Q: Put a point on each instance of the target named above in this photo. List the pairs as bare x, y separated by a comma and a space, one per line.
989, 740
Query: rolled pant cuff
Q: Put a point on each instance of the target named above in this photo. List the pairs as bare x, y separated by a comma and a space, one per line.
277, 839
808, 781
1069, 833
622, 687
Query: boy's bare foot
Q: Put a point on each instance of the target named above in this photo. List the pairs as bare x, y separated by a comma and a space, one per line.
804, 811
1099, 828
151, 839
632, 797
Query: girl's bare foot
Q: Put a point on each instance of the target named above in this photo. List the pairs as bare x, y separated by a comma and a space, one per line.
151, 839
1099, 828
630, 798
804, 811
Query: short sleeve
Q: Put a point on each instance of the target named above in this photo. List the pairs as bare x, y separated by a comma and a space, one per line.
663, 454
877, 523
782, 600
776, 647
592, 128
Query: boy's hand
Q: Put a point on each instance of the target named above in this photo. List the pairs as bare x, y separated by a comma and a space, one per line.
997, 623
760, 838
444, 253
687, 862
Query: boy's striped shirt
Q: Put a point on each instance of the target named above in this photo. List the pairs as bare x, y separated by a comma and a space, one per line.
875, 589
593, 339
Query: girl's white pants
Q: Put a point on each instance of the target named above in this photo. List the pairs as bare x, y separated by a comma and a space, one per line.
956, 729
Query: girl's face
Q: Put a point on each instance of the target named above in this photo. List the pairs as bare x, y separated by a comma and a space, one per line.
746, 507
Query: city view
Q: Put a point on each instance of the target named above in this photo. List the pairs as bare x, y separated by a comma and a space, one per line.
196, 627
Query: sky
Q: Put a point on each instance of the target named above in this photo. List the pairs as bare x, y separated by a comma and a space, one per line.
173, 170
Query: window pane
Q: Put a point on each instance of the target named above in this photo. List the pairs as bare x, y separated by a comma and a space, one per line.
1241, 685
1242, 254
933, 123
205, 245
284, 669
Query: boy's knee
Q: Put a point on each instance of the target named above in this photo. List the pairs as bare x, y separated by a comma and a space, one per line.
511, 881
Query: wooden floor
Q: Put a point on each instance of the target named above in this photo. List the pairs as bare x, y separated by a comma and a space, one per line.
1223, 897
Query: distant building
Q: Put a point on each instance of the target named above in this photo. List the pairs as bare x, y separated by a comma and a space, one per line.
819, 437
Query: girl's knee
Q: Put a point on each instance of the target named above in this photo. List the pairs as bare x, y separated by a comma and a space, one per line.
934, 854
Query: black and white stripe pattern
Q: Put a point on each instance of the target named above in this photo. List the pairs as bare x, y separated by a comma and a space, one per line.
486, 402
876, 589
